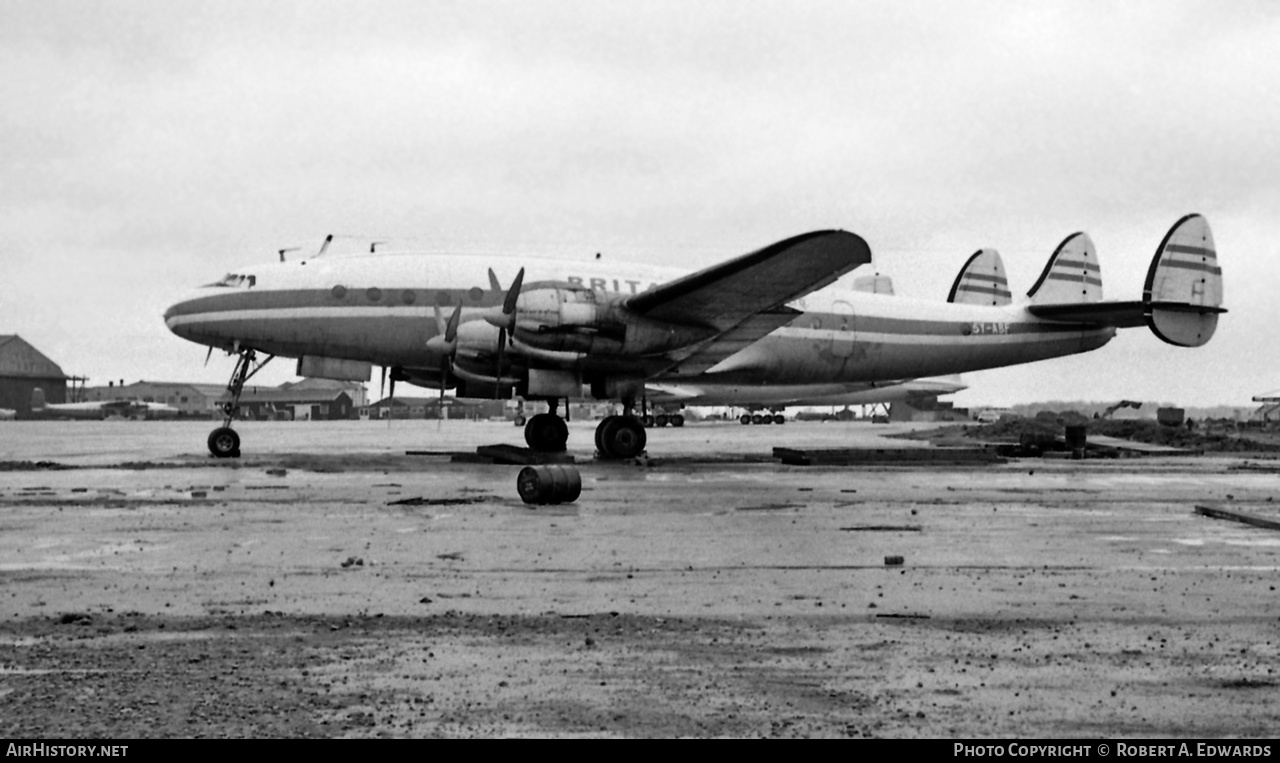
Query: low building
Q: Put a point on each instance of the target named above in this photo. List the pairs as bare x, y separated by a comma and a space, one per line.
401, 407
191, 400
293, 404
306, 399
23, 368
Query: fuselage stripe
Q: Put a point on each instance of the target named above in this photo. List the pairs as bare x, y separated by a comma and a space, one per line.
1074, 278
1085, 264
983, 277
978, 289
1203, 267
1188, 249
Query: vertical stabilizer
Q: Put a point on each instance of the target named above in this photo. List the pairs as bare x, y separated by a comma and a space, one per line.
874, 284
1071, 275
1184, 284
981, 281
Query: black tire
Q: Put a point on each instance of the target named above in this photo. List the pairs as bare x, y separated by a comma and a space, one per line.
677, 420
224, 443
745, 419
647, 421
620, 437
757, 419
662, 420
778, 418
521, 421
546, 433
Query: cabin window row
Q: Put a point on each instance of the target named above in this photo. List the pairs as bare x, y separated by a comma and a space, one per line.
407, 296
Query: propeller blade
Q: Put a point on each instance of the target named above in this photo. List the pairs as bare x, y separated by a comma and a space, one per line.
208, 355
451, 329
493, 281
382, 386
497, 373
513, 295
439, 319
444, 378
391, 402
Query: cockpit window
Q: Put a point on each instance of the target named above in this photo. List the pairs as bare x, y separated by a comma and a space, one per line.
236, 280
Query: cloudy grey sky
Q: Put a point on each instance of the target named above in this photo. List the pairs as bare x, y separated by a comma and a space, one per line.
146, 147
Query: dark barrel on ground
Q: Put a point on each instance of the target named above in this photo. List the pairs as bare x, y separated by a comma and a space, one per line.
1077, 436
549, 484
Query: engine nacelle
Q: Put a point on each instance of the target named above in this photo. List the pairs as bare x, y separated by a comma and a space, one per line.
577, 319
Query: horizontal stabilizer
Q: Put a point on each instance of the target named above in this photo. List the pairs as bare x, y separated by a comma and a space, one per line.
1182, 298
981, 281
1071, 275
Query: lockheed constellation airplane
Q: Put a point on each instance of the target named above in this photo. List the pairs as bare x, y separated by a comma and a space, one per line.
568, 330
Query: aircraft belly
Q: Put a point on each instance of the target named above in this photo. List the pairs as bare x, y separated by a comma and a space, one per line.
782, 359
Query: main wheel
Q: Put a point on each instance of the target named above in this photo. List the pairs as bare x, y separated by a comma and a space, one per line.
620, 437
778, 418
745, 419
546, 433
224, 443
677, 419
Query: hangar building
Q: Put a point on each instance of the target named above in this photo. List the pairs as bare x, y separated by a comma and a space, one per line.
22, 369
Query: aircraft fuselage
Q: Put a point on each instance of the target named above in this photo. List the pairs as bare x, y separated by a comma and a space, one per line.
381, 309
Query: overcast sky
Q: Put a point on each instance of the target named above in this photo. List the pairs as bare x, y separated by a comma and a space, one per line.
147, 147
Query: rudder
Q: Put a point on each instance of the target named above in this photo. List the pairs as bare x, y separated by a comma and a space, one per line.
1071, 275
981, 281
1184, 284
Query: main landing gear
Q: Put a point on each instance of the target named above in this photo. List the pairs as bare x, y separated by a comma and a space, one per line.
617, 437
223, 441
620, 437
547, 432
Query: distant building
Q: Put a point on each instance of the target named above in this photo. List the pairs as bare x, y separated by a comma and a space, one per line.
401, 407
195, 400
927, 408
289, 403
24, 368
308, 399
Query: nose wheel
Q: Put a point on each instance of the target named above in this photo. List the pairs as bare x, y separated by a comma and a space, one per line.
224, 443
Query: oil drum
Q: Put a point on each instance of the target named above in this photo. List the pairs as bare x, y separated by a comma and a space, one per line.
548, 484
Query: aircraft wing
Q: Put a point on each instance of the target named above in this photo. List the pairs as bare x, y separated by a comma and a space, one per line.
727, 295
746, 333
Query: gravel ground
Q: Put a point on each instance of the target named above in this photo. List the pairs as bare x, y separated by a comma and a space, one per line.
296, 593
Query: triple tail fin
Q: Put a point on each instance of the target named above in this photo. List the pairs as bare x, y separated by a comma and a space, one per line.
1184, 285
1180, 303
1072, 274
981, 281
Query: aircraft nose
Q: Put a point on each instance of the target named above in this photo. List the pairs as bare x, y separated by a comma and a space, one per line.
182, 316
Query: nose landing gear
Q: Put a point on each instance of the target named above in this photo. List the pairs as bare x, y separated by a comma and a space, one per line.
224, 442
